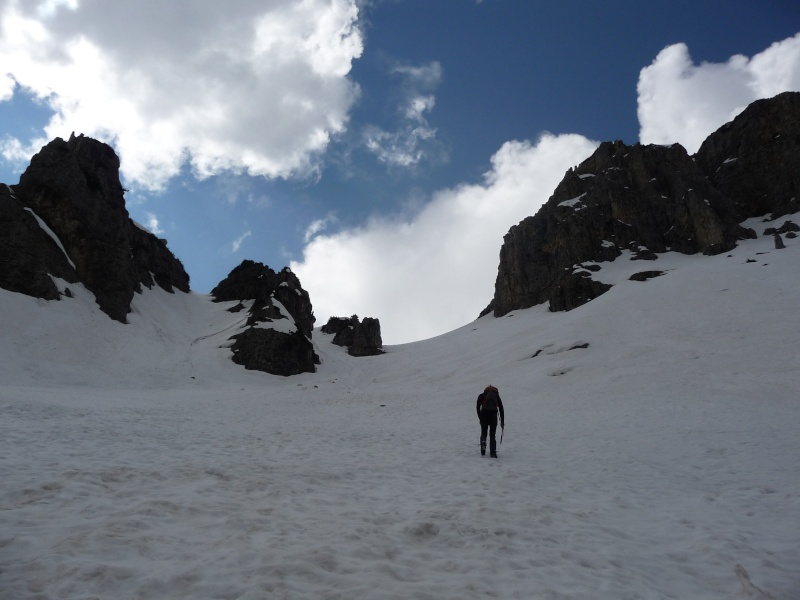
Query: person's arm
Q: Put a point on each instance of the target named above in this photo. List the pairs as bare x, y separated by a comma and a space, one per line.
502, 414
478, 405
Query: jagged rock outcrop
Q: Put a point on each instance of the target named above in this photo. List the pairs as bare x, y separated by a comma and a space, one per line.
277, 338
361, 338
647, 200
74, 188
249, 280
755, 159
641, 199
336, 325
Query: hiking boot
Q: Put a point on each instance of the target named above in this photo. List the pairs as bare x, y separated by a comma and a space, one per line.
493, 454
483, 449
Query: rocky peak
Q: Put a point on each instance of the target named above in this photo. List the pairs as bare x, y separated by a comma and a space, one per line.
72, 189
646, 200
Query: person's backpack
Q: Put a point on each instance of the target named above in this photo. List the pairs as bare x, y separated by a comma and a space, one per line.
490, 399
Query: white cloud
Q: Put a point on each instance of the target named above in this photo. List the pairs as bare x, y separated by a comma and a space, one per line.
417, 107
13, 151
236, 189
777, 69
153, 225
411, 142
48, 8
241, 85
317, 227
682, 102
402, 148
427, 76
237, 243
7, 85
434, 271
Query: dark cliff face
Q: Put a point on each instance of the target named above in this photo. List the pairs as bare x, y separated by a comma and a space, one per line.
649, 200
154, 262
28, 255
755, 159
74, 188
263, 347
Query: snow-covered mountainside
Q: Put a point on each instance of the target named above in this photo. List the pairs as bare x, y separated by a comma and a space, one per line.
652, 446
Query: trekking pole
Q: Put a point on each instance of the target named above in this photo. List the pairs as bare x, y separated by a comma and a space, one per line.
502, 431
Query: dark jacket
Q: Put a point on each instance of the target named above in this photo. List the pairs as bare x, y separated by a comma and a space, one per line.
479, 405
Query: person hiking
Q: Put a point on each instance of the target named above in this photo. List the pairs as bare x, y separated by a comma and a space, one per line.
488, 405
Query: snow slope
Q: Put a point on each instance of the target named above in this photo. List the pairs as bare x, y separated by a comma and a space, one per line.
651, 445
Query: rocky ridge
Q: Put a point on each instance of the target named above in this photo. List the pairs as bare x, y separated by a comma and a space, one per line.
641, 201
66, 223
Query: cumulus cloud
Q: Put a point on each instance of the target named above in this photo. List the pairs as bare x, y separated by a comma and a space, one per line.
429, 272
242, 85
682, 102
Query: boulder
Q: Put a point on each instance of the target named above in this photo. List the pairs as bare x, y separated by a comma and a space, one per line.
645, 275
787, 227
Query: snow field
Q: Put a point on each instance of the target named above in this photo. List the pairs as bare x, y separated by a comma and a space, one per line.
138, 462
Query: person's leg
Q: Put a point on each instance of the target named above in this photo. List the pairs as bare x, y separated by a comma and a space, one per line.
484, 429
492, 441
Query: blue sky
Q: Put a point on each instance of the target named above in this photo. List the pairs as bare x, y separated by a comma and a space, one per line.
380, 148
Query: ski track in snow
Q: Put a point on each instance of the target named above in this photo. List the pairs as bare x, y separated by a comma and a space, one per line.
138, 462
